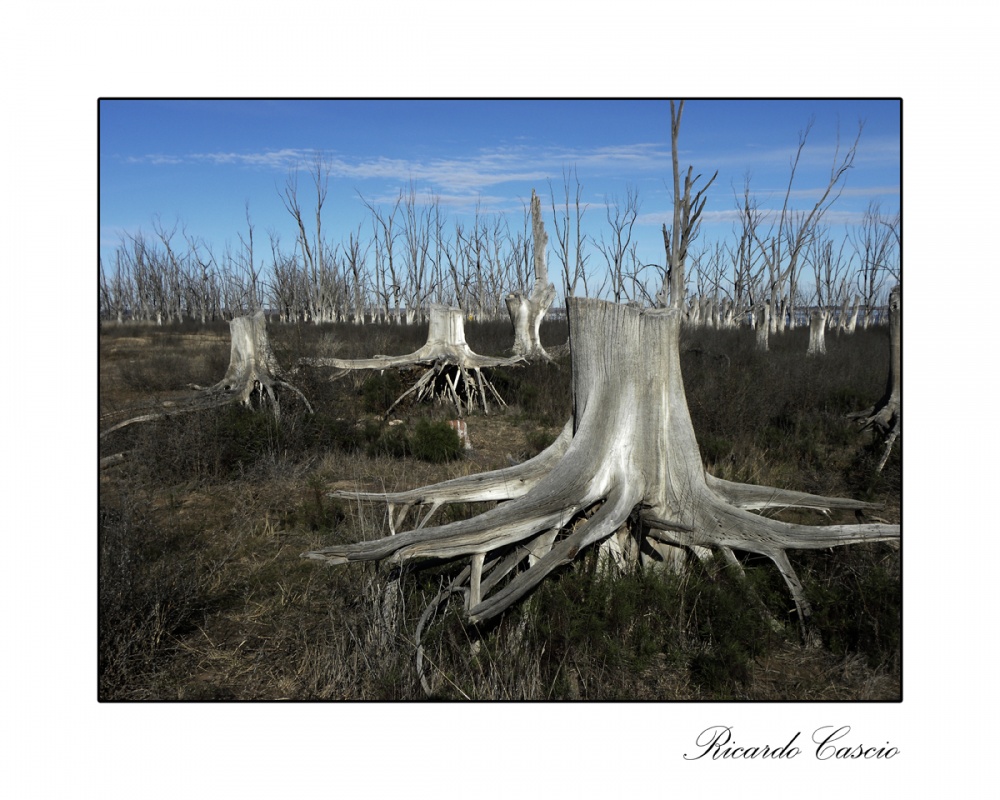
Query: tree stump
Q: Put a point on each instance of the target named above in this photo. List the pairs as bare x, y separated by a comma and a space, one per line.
627, 465
253, 373
252, 378
885, 418
452, 371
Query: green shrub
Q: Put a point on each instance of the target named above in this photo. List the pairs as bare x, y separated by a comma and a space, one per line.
384, 440
435, 441
721, 669
243, 436
709, 619
715, 448
729, 627
541, 391
323, 432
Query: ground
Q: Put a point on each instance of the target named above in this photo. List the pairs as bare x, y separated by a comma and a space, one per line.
203, 593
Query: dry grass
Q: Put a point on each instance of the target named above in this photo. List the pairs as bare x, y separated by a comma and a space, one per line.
219, 605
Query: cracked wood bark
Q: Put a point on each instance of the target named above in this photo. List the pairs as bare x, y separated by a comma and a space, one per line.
629, 455
526, 312
252, 378
885, 418
452, 370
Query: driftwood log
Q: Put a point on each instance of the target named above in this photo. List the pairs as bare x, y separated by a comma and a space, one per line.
252, 379
452, 371
626, 468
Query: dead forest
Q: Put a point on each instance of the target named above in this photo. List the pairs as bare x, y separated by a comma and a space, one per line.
462, 463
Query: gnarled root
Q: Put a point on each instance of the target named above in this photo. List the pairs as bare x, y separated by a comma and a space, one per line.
252, 378
641, 471
452, 371
502, 484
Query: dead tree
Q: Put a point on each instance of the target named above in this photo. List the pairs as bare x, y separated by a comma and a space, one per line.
452, 371
782, 249
627, 466
678, 238
817, 333
252, 378
526, 311
573, 271
885, 418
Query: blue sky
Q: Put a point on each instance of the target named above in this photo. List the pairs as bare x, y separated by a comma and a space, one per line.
201, 164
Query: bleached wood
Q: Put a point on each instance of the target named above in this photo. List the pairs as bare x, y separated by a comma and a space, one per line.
632, 455
885, 418
445, 355
252, 378
817, 333
526, 311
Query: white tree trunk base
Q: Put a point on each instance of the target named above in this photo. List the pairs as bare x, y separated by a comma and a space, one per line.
817, 334
252, 378
629, 454
526, 311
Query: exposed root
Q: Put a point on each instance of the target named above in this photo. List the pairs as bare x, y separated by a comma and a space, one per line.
452, 371
502, 484
251, 379
760, 498
639, 473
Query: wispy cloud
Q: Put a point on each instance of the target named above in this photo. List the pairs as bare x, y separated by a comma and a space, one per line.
155, 159
447, 175
270, 159
881, 151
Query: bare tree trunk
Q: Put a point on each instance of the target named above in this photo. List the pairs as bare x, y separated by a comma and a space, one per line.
253, 369
817, 333
852, 322
686, 226
630, 453
763, 325
526, 312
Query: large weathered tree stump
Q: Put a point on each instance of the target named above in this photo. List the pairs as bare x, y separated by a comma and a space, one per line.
252, 378
627, 465
885, 418
452, 371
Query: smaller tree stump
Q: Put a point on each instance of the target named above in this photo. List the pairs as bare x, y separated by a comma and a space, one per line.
452, 371
252, 378
885, 418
